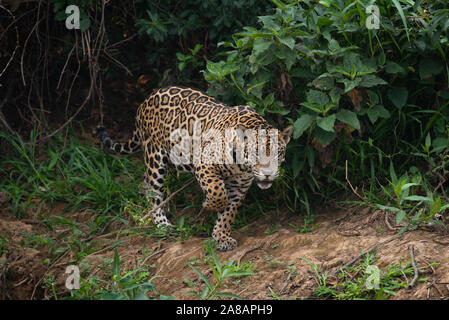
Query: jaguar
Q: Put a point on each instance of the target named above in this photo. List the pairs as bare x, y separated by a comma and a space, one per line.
170, 128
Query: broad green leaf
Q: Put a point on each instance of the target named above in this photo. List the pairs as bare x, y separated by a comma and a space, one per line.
398, 96
327, 123
261, 45
318, 97
393, 67
371, 80
301, 125
373, 115
324, 137
333, 46
324, 83
349, 117
350, 84
288, 41
439, 144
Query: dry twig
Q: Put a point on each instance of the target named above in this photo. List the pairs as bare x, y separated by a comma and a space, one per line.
415, 268
350, 185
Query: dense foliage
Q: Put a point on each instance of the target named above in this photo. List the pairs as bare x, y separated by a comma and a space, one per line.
357, 94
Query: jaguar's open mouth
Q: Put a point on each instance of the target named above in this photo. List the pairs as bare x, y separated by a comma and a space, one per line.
264, 184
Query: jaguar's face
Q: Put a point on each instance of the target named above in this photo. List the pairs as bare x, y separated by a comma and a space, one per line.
266, 170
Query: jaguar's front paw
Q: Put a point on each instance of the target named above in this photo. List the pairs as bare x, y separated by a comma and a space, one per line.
226, 244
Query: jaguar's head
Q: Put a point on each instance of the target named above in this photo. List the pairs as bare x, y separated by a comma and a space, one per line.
266, 167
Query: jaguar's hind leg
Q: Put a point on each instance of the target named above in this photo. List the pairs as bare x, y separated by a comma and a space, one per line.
154, 181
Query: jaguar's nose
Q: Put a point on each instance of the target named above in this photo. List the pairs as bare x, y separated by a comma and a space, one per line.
267, 172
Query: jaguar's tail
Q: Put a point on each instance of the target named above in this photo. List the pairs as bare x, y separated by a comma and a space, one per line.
131, 146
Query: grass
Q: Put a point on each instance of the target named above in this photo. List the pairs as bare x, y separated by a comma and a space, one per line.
221, 273
82, 176
365, 281
129, 285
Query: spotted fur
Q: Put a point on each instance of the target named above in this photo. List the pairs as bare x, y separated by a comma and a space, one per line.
224, 185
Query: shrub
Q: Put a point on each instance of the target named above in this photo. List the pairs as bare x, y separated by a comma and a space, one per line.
352, 93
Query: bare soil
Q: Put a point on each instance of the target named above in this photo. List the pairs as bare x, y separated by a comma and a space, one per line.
271, 243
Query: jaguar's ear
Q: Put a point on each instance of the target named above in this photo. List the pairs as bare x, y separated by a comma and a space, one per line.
286, 134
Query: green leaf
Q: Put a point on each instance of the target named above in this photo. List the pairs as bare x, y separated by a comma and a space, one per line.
429, 67
393, 67
333, 46
350, 84
439, 144
408, 185
202, 276
181, 66
61, 15
318, 97
371, 80
261, 45
236, 274
401, 215
141, 296
204, 294
417, 198
394, 178
288, 41
324, 82
327, 123
435, 206
84, 24
116, 264
216, 260
349, 117
326, 3
302, 124
428, 142
398, 96
324, 137
388, 208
